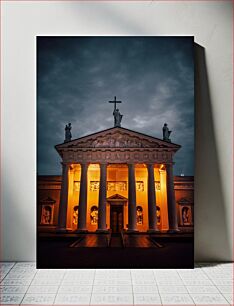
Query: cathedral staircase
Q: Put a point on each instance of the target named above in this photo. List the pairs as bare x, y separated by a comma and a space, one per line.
116, 240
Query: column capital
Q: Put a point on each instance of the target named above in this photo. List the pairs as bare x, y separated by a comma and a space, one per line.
169, 164
84, 164
150, 165
103, 163
65, 163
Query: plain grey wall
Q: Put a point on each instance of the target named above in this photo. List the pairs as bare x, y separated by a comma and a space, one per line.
211, 24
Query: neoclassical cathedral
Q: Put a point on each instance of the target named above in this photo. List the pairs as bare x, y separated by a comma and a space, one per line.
116, 179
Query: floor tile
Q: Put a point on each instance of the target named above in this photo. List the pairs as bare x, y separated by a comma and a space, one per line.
78, 282
112, 282
196, 277
143, 282
11, 299
38, 298
169, 282
122, 272
209, 299
202, 289
75, 289
207, 285
112, 289
147, 299
25, 264
6, 264
112, 276
176, 299
43, 289
74, 277
16, 282
12, 289
145, 289
112, 299
164, 289
82, 271
225, 288
3, 275
72, 299
229, 298
46, 282
19, 276
196, 282
223, 282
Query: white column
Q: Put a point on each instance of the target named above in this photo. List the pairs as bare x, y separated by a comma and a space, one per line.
131, 198
102, 199
62, 218
82, 212
172, 213
152, 217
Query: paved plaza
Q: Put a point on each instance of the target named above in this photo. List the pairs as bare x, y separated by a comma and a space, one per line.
115, 251
207, 284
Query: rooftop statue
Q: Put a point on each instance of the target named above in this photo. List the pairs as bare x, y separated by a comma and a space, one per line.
117, 116
166, 133
68, 134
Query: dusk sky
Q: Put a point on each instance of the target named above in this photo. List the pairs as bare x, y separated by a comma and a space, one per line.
77, 76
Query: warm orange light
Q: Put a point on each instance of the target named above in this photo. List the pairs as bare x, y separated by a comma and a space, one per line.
94, 166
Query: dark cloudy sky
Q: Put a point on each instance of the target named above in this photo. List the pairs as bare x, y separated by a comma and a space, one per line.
77, 76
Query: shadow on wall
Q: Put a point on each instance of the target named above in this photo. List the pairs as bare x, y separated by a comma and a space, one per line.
211, 229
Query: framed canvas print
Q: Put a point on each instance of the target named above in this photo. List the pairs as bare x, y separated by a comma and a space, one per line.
115, 152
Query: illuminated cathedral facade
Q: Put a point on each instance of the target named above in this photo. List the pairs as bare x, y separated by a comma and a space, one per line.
116, 180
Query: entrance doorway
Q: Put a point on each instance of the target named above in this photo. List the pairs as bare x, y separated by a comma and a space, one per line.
116, 218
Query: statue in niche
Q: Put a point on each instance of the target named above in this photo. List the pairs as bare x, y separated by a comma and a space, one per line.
158, 214
186, 215
75, 215
118, 117
94, 214
68, 134
166, 133
46, 216
139, 212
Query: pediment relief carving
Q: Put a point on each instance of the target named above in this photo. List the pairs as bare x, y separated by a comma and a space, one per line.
117, 140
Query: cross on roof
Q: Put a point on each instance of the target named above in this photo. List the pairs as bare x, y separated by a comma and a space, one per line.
115, 101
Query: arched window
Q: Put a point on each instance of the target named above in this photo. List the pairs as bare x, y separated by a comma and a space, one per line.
75, 215
139, 212
158, 214
94, 214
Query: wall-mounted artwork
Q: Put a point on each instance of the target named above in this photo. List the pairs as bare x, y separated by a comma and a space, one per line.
115, 152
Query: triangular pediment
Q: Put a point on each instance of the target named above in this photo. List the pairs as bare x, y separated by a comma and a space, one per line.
117, 197
118, 137
184, 201
48, 200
